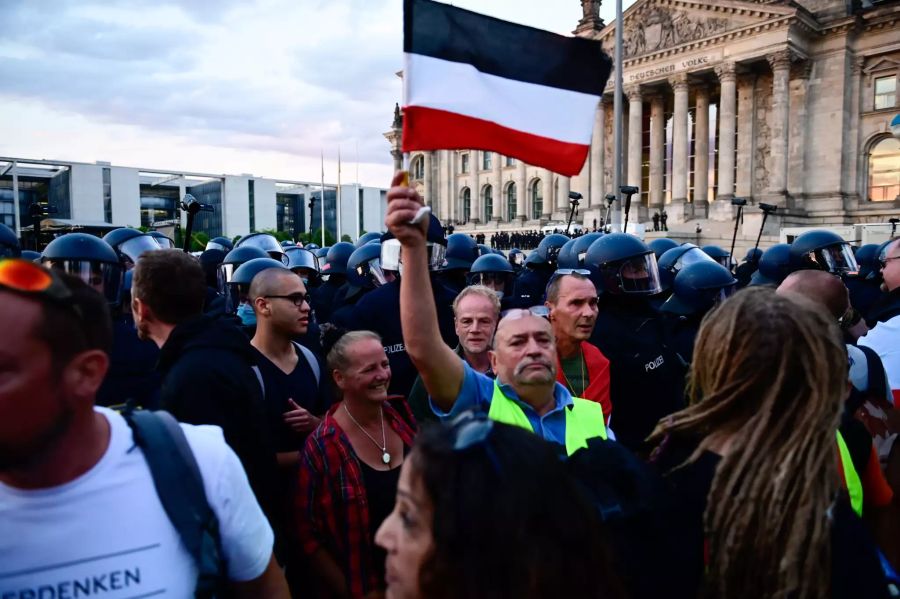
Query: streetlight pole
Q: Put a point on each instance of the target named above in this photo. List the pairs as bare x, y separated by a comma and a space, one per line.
617, 107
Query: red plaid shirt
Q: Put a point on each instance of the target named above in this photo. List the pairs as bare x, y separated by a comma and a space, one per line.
331, 499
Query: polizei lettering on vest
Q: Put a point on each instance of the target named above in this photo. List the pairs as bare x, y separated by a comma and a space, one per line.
654, 364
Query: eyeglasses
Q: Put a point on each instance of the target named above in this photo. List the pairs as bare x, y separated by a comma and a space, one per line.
884, 261
473, 429
516, 313
27, 277
295, 298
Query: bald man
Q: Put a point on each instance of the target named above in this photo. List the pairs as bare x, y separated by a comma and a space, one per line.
830, 291
294, 395
523, 354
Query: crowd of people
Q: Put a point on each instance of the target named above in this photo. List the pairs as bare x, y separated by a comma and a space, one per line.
420, 415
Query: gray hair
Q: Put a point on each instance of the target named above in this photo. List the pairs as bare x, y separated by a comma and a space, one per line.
485, 292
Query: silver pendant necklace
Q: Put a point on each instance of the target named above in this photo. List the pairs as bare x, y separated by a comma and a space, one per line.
385, 456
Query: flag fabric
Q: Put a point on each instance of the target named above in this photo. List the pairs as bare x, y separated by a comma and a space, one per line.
476, 82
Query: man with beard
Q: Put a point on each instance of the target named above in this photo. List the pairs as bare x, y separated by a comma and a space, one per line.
523, 353
78, 504
581, 367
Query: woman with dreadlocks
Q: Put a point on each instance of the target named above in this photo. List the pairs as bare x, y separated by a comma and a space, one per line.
753, 458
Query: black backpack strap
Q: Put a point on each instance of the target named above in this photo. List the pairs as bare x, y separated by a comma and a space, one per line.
875, 373
179, 486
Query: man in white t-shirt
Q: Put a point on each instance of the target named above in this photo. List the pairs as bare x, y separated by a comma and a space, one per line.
884, 338
79, 514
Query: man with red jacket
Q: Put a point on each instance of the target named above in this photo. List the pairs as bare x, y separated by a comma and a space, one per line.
581, 367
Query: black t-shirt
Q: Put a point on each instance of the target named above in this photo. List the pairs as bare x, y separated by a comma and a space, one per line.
381, 492
300, 385
855, 567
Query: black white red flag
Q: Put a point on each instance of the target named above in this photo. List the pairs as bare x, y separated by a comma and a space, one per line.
476, 82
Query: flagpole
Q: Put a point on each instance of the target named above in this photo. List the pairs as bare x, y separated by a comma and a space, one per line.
356, 194
340, 197
322, 210
617, 110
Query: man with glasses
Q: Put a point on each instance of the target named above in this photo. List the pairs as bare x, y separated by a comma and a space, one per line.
523, 354
79, 509
581, 367
884, 337
291, 374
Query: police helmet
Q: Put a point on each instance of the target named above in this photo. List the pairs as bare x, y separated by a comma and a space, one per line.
661, 245
566, 257
534, 260
237, 288
287, 244
550, 246
130, 243
302, 259
822, 250
312, 246
492, 271
30, 255
364, 267
234, 259
866, 258
516, 258
435, 242
718, 254
9, 243
89, 258
698, 287
320, 254
336, 258
623, 265
753, 255
581, 246
266, 243
210, 261
677, 258
220, 243
774, 265
462, 251
162, 241
367, 237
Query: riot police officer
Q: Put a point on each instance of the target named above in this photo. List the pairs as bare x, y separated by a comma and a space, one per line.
91, 259
129, 244
266, 243
646, 375
233, 260
661, 245
823, 250
220, 243
744, 272
364, 273
462, 252
494, 272
516, 259
773, 266
718, 254
334, 271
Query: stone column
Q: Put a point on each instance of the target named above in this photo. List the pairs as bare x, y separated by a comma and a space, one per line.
496, 185
428, 180
657, 150
475, 209
679, 149
562, 194
746, 135
701, 151
521, 192
781, 70
635, 136
598, 157
547, 186
727, 109
797, 141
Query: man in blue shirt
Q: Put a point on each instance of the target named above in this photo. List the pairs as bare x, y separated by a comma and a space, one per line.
523, 353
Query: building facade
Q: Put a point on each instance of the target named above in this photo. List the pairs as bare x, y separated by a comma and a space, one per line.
787, 103
101, 193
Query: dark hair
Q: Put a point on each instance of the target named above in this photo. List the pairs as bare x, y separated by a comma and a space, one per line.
171, 283
82, 324
525, 531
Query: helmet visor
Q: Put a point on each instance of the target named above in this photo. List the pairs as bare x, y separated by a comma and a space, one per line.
390, 255
265, 242
226, 272
134, 247
640, 275
215, 245
104, 277
836, 259
436, 255
234, 294
302, 258
372, 271
164, 243
517, 259
693, 256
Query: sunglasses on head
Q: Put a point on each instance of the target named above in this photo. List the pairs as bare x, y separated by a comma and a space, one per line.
26, 277
471, 430
516, 313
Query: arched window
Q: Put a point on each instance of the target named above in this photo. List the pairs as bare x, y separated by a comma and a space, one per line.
417, 168
466, 204
511, 201
537, 199
488, 196
884, 170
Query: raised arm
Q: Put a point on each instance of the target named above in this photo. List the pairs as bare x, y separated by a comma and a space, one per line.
440, 368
